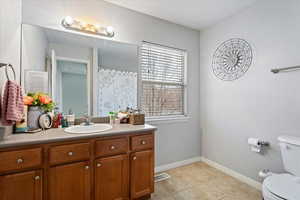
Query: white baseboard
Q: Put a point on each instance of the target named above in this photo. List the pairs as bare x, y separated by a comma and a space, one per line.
173, 165
233, 173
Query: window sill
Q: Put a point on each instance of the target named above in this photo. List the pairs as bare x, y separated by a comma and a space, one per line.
167, 119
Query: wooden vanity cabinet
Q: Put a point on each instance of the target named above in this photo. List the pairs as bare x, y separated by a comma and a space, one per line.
21, 186
119, 167
142, 174
112, 178
70, 181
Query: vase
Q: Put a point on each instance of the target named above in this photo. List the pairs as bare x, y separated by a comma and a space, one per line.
34, 113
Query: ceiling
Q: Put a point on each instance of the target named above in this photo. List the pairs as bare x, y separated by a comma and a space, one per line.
196, 14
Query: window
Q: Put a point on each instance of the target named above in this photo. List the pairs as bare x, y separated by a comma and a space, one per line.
163, 80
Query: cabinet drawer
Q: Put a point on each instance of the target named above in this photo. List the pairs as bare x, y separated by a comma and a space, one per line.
142, 142
68, 153
21, 159
111, 147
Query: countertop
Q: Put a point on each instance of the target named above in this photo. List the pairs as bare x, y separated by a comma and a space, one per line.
58, 135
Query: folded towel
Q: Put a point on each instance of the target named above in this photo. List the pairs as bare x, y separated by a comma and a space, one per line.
12, 107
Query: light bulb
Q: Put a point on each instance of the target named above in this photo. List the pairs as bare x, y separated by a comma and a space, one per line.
97, 27
110, 30
83, 25
69, 20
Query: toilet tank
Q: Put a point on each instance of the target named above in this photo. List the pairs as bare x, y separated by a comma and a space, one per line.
290, 152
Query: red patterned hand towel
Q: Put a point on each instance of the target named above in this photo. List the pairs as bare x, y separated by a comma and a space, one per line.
12, 103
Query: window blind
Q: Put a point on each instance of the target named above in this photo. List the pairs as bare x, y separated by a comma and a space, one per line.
162, 74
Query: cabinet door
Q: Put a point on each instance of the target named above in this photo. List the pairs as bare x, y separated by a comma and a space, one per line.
142, 174
112, 178
70, 182
21, 186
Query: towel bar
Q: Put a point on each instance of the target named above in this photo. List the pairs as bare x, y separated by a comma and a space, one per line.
6, 72
277, 70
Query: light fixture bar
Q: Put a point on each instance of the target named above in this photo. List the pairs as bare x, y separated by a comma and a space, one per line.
76, 25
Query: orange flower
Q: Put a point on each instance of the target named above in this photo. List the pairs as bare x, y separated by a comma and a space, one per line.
28, 100
44, 99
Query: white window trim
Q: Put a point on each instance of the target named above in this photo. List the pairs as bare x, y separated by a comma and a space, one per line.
167, 119
171, 118
185, 82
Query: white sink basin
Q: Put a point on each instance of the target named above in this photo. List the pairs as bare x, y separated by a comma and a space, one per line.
94, 128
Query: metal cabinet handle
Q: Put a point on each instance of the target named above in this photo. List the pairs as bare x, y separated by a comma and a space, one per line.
112, 147
37, 178
87, 167
70, 153
20, 160
99, 165
134, 158
143, 142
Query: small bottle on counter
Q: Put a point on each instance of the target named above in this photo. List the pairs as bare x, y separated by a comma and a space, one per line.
64, 122
112, 117
70, 118
57, 119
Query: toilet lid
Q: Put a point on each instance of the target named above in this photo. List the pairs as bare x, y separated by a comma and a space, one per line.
285, 186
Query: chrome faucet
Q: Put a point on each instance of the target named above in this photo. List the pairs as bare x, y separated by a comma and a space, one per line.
87, 120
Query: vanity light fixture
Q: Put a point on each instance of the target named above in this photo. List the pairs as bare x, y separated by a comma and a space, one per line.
76, 25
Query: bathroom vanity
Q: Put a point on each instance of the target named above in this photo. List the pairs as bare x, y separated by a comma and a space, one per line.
54, 165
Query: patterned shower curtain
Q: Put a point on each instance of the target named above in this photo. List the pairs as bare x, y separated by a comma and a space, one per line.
116, 91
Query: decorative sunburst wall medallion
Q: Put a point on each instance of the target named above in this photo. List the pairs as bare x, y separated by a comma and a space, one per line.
232, 59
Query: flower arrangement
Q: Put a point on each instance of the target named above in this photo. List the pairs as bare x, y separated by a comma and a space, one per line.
39, 99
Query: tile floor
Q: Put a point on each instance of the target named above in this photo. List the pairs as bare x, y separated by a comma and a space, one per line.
199, 181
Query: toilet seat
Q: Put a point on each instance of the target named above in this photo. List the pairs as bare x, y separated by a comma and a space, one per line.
282, 187
270, 196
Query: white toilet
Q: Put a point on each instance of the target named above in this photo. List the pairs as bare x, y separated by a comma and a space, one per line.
285, 186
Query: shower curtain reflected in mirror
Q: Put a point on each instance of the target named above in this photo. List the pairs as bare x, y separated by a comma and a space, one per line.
117, 90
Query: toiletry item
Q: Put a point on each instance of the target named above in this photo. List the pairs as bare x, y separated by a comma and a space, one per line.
55, 123
57, 120
22, 125
112, 117
60, 117
70, 118
123, 117
117, 121
64, 122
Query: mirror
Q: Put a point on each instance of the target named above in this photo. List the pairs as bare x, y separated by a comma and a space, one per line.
82, 74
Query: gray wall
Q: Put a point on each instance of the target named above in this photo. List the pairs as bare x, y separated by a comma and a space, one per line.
10, 34
34, 48
260, 104
175, 141
10, 37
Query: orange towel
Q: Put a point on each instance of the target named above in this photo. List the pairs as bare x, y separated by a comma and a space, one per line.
12, 107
